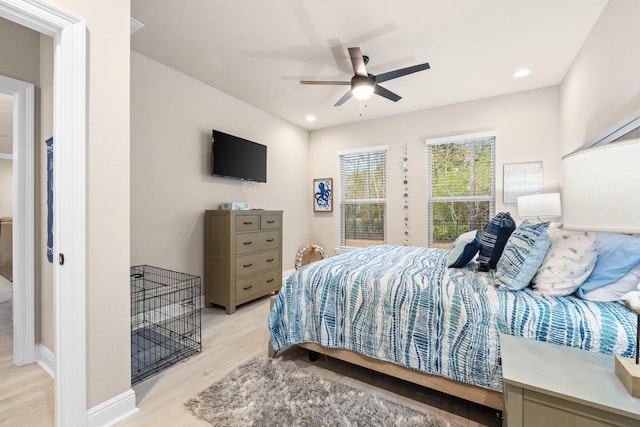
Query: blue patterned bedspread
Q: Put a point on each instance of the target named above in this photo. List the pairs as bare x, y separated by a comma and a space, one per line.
401, 304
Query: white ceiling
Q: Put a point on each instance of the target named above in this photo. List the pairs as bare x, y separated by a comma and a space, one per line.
258, 50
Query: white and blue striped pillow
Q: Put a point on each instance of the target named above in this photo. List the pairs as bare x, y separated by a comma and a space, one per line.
522, 256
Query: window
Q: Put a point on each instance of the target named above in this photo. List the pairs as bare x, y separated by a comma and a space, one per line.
363, 199
460, 186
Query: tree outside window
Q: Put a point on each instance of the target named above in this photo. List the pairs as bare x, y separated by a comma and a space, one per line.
461, 186
363, 198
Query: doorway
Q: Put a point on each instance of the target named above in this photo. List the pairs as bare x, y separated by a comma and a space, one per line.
70, 125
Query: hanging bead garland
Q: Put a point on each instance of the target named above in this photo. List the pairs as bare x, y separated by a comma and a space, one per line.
405, 183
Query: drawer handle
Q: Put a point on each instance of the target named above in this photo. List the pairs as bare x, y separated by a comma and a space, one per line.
269, 240
269, 280
248, 222
247, 265
248, 243
270, 222
270, 260
246, 288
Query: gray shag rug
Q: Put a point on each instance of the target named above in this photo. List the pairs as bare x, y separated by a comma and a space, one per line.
270, 392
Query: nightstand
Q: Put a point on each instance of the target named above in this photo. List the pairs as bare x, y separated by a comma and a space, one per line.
552, 385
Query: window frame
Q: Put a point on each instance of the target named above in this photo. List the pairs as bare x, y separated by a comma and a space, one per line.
431, 200
343, 202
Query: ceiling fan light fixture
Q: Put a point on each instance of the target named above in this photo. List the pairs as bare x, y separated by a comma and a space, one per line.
362, 89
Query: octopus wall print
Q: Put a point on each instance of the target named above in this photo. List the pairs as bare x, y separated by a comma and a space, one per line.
323, 195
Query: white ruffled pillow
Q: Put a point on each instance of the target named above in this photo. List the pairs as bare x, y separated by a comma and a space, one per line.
568, 263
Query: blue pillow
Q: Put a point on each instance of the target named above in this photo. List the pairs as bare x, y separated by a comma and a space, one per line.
522, 256
463, 249
617, 255
493, 239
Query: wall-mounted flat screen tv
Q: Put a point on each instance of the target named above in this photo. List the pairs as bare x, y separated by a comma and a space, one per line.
234, 157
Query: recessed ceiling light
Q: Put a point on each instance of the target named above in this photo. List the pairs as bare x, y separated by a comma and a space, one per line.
521, 73
311, 118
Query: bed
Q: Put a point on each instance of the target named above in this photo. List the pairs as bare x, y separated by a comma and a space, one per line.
400, 310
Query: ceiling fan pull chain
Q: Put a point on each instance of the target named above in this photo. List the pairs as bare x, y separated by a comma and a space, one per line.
365, 106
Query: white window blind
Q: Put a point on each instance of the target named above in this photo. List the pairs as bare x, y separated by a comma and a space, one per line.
363, 197
460, 186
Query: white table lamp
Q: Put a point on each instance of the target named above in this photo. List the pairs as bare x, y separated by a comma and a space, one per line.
601, 192
544, 205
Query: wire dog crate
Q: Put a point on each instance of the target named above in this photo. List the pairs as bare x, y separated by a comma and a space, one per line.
165, 319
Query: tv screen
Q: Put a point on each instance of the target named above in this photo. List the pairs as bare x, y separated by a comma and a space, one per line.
235, 157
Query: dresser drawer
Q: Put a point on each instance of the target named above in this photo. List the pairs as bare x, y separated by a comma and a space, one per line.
247, 222
254, 263
270, 222
258, 241
258, 284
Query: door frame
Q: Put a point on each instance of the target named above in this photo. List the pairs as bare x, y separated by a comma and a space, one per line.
70, 132
23, 218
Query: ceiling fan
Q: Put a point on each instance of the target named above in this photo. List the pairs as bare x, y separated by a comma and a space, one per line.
363, 84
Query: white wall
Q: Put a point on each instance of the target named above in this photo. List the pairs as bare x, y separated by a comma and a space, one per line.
527, 126
602, 86
172, 116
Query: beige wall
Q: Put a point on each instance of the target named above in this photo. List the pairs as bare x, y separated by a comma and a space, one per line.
108, 321
6, 120
19, 48
6, 190
602, 86
172, 116
527, 126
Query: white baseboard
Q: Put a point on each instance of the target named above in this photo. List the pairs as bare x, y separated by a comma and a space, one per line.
46, 359
113, 410
104, 414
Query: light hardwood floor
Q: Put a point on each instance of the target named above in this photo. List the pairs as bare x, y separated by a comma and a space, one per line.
26, 393
231, 340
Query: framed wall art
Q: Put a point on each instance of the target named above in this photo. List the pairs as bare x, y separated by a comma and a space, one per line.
323, 195
521, 179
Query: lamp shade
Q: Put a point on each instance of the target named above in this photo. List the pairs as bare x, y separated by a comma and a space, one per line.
362, 89
601, 188
539, 205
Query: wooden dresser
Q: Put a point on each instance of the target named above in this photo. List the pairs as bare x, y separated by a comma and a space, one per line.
242, 256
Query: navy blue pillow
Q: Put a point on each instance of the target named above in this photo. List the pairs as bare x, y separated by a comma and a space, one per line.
463, 249
493, 239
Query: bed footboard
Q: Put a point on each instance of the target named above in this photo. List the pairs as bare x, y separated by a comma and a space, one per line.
492, 399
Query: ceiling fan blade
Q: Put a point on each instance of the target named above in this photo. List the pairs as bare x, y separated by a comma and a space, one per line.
323, 82
344, 99
357, 61
387, 93
401, 72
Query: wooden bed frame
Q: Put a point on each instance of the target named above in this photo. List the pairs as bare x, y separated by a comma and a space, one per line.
491, 398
